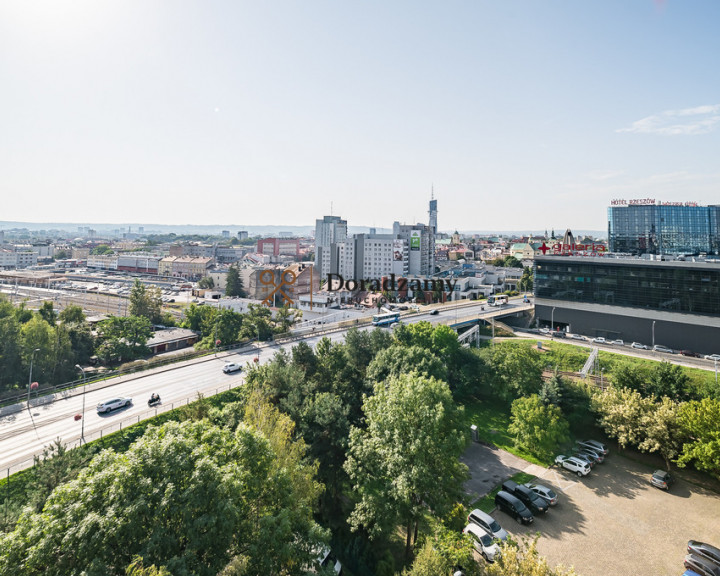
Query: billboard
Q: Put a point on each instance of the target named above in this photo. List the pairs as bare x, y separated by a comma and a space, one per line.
398, 250
415, 240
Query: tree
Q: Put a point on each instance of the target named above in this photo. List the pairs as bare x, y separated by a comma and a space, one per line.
47, 312
233, 283
101, 250
285, 317
123, 338
188, 496
512, 262
527, 280
523, 559
698, 422
669, 380
257, 323
551, 390
537, 428
397, 360
621, 412
661, 429
72, 313
146, 301
517, 371
406, 461
630, 376
207, 283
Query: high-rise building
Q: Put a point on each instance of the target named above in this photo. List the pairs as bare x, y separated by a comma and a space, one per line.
666, 228
329, 233
419, 243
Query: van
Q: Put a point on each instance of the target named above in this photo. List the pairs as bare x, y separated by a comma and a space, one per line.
513, 507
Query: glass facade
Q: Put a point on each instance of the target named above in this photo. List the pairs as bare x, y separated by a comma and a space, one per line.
692, 288
658, 229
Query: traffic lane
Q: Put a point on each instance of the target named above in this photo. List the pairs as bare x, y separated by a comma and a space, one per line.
613, 521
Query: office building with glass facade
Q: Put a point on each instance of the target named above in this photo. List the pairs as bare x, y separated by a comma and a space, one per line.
673, 303
664, 229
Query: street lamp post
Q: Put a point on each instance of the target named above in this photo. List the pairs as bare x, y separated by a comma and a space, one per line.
82, 419
257, 328
716, 381
32, 358
552, 320
653, 334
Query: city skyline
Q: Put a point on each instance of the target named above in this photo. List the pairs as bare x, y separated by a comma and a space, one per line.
528, 116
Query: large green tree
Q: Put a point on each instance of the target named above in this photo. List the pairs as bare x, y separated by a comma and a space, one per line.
700, 425
537, 427
233, 283
146, 301
405, 462
189, 498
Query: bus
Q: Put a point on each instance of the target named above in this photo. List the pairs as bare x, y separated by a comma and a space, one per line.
386, 319
497, 300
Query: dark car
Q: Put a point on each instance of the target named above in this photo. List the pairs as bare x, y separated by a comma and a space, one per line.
701, 565
661, 479
704, 550
536, 504
690, 353
434, 312
513, 507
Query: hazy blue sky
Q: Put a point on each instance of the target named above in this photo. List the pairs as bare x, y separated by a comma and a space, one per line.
523, 115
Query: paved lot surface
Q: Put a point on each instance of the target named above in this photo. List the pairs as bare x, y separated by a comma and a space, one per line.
488, 467
613, 522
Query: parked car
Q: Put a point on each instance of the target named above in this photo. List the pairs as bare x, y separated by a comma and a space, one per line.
665, 349
712, 357
544, 330
487, 523
114, 404
577, 337
584, 457
618, 342
686, 573
599, 340
483, 542
535, 504
638, 346
544, 492
705, 550
327, 558
597, 458
580, 467
701, 565
661, 479
231, 367
514, 507
594, 445
690, 354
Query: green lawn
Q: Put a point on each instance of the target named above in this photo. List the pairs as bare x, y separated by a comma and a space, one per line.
492, 419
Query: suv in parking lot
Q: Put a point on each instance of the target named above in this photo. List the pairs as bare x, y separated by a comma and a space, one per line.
544, 492
661, 479
701, 565
580, 467
514, 507
705, 550
536, 504
594, 445
483, 542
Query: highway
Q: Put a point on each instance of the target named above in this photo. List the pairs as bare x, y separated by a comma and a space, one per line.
24, 433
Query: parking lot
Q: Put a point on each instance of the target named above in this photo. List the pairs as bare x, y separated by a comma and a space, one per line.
613, 522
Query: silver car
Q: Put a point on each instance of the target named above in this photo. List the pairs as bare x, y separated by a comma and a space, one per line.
114, 404
483, 542
547, 494
487, 523
594, 445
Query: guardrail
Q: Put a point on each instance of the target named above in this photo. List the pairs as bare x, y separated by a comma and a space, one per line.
117, 426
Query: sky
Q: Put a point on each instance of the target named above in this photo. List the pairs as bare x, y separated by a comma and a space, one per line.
519, 115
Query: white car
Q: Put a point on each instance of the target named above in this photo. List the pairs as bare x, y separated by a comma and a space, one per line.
638, 346
577, 337
547, 494
483, 542
599, 340
712, 357
231, 367
665, 349
573, 464
114, 404
617, 343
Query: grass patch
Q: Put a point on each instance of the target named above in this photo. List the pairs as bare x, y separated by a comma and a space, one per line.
492, 419
487, 502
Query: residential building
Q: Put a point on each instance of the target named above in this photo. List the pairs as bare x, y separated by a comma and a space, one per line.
138, 262
279, 247
329, 233
103, 261
420, 241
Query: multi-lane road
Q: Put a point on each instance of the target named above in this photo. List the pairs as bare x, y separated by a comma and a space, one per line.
25, 432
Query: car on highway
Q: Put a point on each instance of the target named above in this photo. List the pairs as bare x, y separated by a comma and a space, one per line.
231, 367
483, 542
638, 346
547, 494
701, 565
434, 312
661, 479
487, 523
580, 467
665, 349
599, 340
712, 357
114, 404
704, 550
